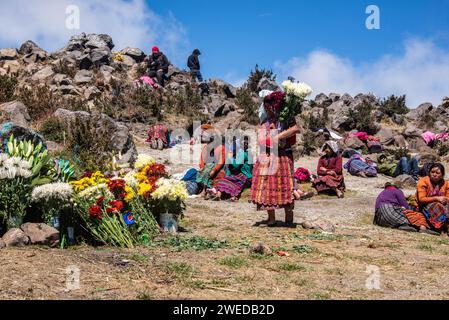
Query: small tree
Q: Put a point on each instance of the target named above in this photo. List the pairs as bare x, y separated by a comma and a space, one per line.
393, 105
256, 75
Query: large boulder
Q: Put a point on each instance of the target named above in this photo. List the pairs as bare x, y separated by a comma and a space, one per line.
411, 131
11, 66
83, 77
43, 74
440, 126
386, 136
135, 53
29, 47
422, 110
418, 145
405, 181
15, 238
323, 100
100, 56
223, 87
8, 54
400, 142
40, 233
99, 41
84, 62
16, 112
354, 143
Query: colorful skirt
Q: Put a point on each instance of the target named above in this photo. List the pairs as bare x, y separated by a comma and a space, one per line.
192, 187
327, 183
272, 183
232, 185
203, 176
437, 214
416, 219
357, 166
390, 216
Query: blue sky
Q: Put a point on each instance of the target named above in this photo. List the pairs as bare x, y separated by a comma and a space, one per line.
323, 43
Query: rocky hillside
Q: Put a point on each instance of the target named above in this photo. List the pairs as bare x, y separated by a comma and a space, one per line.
87, 81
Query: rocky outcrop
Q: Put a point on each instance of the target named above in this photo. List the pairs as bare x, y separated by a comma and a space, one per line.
15, 238
16, 112
40, 233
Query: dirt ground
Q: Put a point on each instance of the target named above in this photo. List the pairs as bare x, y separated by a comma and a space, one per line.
212, 260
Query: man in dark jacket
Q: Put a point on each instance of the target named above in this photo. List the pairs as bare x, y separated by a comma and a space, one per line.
194, 64
158, 65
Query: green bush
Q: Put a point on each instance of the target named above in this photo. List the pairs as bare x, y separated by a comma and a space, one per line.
363, 118
7, 88
245, 101
53, 129
394, 105
256, 75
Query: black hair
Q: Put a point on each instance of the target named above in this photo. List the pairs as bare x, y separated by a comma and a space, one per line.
439, 166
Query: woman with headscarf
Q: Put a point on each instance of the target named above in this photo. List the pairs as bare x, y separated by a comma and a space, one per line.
433, 197
330, 171
272, 184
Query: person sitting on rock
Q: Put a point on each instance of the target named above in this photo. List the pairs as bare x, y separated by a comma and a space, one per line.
393, 211
158, 66
357, 166
194, 65
407, 165
330, 171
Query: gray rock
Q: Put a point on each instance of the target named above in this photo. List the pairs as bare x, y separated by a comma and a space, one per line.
400, 142
135, 53
427, 157
323, 100
11, 66
84, 62
15, 238
334, 97
261, 249
341, 122
354, 143
83, 77
386, 136
43, 74
99, 41
439, 126
127, 61
17, 113
100, 56
411, 131
419, 112
398, 119
29, 47
67, 89
91, 93
418, 145
8, 54
318, 224
40, 233
62, 80
405, 181
347, 99
229, 90
106, 72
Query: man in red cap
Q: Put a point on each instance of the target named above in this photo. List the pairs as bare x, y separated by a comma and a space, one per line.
158, 65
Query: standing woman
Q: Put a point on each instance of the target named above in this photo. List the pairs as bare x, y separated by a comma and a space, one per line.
433, 198
272, 186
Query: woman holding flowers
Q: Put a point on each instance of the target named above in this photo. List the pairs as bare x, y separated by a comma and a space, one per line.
272, 186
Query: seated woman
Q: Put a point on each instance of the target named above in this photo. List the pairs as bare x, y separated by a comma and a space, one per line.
433, 198
393, 211
330, 171
211, 162
357, 166
238, 170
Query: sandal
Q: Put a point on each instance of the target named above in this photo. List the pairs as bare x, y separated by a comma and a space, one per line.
429, 232
306, 195
407, 228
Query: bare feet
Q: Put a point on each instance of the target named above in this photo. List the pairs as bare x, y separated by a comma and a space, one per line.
340, 194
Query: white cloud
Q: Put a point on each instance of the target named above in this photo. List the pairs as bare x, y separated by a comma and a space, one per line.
129, 22
421, 72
